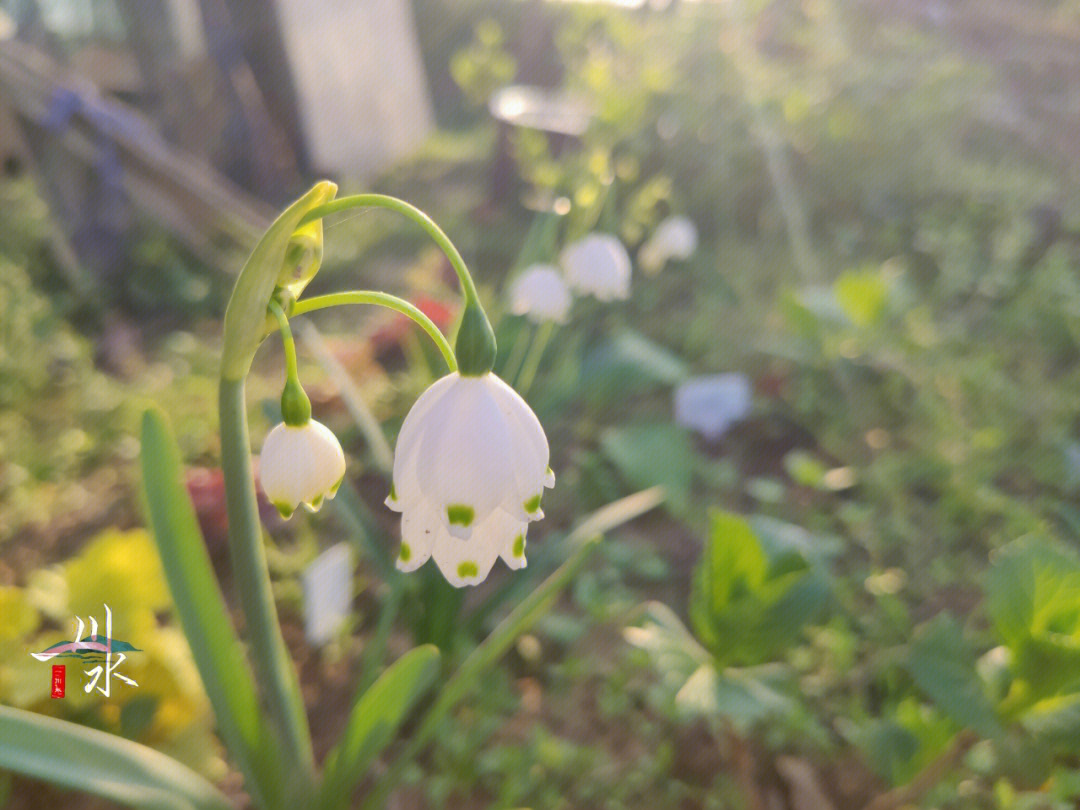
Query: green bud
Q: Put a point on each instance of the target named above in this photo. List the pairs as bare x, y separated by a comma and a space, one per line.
303, 256
246, 323
475, 345
295, 405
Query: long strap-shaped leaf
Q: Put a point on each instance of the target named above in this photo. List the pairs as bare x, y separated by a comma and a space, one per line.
205, 620
374, 719
580, 542
103, 764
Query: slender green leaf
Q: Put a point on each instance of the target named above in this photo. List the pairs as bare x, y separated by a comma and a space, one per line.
204, 617
102, 764
374, 719
580, 542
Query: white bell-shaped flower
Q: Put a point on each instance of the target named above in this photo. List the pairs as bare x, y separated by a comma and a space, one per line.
597, 265
674, 238
300, 465
540, 294
470, 468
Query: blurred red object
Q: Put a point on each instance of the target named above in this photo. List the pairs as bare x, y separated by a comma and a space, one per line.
206, 486
391, 334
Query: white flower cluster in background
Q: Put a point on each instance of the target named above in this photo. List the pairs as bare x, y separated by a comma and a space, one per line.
597, 265
470, 469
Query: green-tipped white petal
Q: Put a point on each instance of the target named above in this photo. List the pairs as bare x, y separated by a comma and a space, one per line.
300, 465
472, 460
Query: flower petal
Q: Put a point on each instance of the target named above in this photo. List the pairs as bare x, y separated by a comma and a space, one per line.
302, 464
463, 562
419, 528
406, 487
467, 451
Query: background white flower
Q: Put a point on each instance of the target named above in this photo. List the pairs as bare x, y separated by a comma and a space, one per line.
597, 265
470, 468
710, 405
300, 465
540, 294
674, 238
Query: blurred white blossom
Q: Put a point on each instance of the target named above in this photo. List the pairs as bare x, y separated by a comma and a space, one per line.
541, 294
674, 238
597, 265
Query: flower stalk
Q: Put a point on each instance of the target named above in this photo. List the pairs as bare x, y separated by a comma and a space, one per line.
475, 346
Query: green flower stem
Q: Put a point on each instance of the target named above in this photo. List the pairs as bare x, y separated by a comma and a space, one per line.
532, 359
307, 305
468, 288
474, 346
287, 341
273, 665
295, 405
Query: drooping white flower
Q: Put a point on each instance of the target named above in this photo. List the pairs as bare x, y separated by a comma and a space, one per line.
540, 294
300, 465
597, 265
470, 468
710, 405
674, 238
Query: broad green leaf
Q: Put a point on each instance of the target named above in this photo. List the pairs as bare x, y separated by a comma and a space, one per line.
899, 744
245, 317
943, 666
751, 598
204, 617
374, 719
1033, 588
1033, 595
734, 562
102, 764
630, 361
652, 454
744, 697
1056, 720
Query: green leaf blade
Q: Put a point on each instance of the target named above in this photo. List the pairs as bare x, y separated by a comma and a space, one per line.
375, 717
103, 764
204, 617
943, 666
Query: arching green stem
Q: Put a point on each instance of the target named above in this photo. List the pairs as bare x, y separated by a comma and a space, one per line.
287, 341
468, 288
295, 405
400, 305
474, 346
